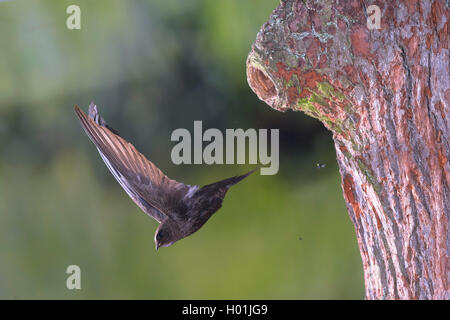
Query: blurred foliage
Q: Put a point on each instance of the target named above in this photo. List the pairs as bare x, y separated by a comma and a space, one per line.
152, 67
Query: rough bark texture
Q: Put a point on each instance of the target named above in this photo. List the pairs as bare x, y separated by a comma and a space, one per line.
384, 94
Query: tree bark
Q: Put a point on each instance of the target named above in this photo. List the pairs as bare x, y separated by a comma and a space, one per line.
384, 94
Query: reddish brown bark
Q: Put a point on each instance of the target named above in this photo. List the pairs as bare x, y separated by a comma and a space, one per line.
384, 94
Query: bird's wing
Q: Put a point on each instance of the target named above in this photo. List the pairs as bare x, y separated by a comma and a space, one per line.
148, 186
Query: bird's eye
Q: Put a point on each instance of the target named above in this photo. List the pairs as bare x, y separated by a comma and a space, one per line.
159, 236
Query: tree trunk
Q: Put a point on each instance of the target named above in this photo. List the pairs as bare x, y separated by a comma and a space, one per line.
384, 94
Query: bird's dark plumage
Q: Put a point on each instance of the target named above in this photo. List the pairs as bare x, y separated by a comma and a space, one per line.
179, 208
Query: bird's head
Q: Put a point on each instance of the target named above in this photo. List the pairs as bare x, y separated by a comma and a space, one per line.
164, 236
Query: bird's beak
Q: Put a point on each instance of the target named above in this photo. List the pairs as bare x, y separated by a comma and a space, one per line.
157, 246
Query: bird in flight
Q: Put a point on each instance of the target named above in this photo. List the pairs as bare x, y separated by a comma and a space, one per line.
180, 209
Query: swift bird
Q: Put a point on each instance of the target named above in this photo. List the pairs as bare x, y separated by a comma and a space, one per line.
179, 208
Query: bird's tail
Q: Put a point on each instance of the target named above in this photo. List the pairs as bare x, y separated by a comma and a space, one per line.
227, 183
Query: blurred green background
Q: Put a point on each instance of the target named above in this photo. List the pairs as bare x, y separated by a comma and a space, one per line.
152, 67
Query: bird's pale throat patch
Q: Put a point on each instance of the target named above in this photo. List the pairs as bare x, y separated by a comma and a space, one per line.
212, 146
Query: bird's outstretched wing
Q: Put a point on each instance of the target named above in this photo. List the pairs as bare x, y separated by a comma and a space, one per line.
148, 186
